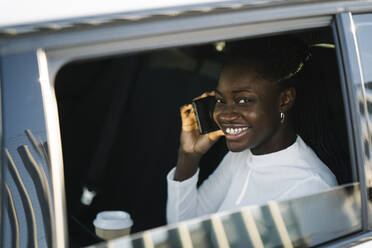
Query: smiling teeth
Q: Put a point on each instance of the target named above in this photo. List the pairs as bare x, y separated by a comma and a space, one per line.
235, 131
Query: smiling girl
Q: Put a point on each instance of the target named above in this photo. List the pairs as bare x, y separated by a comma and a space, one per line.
267, 160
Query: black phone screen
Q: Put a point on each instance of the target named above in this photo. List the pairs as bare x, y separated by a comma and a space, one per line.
203, 109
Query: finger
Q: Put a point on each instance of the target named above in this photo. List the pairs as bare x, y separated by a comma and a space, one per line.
185, 108
205, 94
215, 135
211, 93
189, 127
188, 118
187, 112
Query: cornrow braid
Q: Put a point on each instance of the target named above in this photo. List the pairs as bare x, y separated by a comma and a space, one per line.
278, 59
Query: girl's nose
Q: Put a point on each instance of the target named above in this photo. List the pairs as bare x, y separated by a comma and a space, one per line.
228, 114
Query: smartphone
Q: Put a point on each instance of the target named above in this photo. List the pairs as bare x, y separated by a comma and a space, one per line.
203, 109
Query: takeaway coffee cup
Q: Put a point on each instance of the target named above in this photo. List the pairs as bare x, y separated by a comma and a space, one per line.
112, 224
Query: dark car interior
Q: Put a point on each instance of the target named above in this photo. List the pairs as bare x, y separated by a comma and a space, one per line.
120, 126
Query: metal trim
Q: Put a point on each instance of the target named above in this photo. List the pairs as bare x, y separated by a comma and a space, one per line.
170, 12
55, 152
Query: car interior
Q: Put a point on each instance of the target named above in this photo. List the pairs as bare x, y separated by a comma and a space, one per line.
120, 125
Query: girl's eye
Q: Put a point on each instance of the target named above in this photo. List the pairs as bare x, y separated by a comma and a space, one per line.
244, 100
219, 101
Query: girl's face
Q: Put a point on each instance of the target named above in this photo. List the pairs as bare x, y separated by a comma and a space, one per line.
247, 110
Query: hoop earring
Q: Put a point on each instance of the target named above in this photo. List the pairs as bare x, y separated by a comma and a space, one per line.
282, 117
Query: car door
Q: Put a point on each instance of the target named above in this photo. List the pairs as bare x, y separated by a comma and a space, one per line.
32, 168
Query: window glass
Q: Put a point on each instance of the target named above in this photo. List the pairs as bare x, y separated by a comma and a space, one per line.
120, 127
363, 30
302, 222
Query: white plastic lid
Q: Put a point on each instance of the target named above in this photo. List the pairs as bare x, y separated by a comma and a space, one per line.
113, 220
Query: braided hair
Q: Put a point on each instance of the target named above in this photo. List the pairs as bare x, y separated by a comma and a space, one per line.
278, 59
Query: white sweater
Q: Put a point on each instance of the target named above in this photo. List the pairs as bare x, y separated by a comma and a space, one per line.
243, 179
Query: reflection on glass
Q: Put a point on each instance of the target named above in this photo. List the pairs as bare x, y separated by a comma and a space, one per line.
201, 234
43, 196
13, 217
26, 201
28, 210
241, 229
301, 222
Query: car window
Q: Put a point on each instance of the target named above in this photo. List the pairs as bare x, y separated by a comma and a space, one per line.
119, 119
363, 28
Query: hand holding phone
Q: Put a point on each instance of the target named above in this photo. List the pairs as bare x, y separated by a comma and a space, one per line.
191, 140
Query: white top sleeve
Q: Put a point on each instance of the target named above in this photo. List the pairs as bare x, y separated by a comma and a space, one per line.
186, 201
